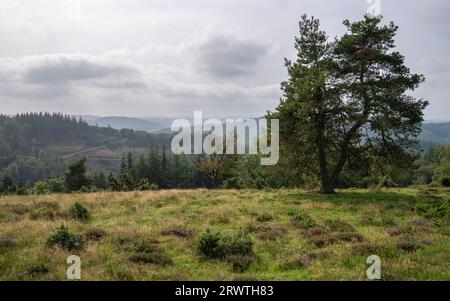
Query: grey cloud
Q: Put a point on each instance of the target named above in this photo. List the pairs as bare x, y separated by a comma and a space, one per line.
58, 74
66, 68
226, 56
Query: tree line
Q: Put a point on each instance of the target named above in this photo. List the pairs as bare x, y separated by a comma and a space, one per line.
161, 170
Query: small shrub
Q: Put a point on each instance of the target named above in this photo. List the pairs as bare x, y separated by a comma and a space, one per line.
79, 212
215, 245
436, 209
153, 187
237, 244
63, 238
146, 246
147, 251
209, 244
44, 213
302, 220
41, 187
445, 181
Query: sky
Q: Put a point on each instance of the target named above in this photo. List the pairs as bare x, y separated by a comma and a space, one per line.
168, 58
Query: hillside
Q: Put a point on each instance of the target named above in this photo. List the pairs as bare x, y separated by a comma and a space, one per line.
119, 123
435, 134
35, 146
286, 235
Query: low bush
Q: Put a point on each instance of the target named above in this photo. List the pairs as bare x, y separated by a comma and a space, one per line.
445, 181
214, 245
146, 246
44, 213
435, 209
148, 251
80, 212
63, 238
302, 220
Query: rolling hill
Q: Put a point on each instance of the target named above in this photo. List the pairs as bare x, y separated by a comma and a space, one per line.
435, 134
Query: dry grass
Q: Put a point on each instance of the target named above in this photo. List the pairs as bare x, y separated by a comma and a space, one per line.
152, 235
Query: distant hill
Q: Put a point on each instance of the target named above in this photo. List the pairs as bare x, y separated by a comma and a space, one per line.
434, 134
35, 146
119, 123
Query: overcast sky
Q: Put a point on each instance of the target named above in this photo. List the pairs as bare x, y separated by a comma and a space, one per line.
167, 58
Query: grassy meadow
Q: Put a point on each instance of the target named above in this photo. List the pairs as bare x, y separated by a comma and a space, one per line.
295, 235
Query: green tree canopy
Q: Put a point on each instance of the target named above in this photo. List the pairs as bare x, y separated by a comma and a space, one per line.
348, 99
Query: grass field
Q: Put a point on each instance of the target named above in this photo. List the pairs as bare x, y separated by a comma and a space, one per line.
296, 235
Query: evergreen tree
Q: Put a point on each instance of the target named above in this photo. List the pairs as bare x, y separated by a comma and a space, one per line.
348, 100
75, 177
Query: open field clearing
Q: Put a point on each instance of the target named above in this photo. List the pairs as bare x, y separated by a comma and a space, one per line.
261, 235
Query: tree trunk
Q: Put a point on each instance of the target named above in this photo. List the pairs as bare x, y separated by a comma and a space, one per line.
327, 187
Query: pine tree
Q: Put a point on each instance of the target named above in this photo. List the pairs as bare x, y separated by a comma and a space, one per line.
348, 100
75, 177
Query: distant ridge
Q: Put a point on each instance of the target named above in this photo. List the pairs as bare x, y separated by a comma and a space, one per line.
118, 123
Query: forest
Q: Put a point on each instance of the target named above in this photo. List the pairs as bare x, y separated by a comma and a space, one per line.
27, 166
